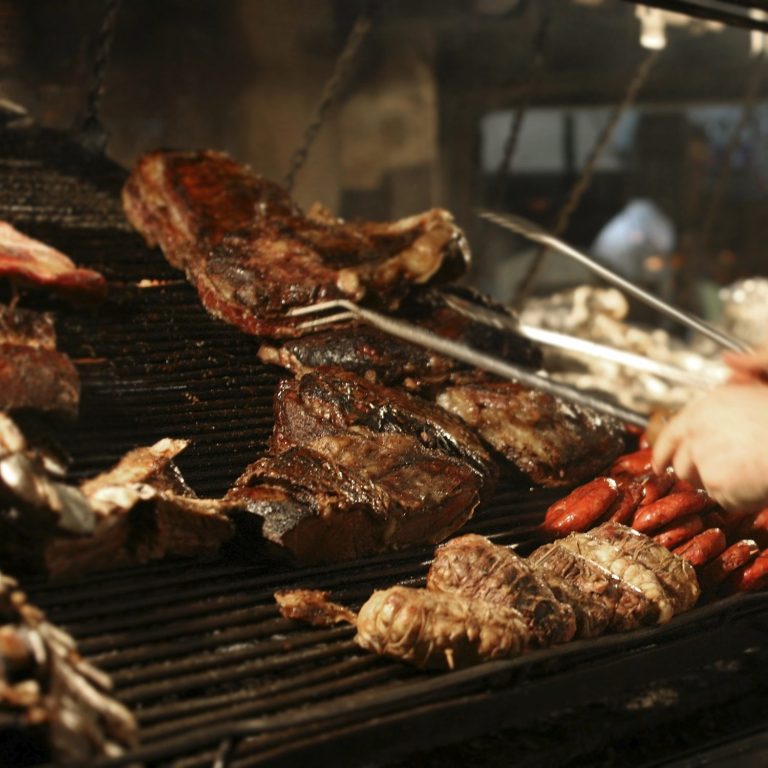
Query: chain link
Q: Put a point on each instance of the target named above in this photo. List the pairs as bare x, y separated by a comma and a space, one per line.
92, 132
582, 183
341, 70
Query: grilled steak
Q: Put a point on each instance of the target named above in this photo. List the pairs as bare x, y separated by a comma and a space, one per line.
437, 630
30, 263
365, 351
552, 442
33, 374
357, 493
253, 255
676, 575
54, 706
318, 405
474, 568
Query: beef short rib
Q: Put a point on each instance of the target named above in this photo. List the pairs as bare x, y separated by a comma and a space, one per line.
252, 254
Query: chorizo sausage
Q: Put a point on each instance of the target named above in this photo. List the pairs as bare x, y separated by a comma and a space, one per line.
669, 508
633, 464
703, 547
679, 531
656, 486
735, 556
581, 508
752, 576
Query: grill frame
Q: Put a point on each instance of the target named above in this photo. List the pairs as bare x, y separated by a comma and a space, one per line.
225, 628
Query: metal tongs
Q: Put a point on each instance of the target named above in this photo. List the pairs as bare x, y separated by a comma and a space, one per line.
537, 234
458, 351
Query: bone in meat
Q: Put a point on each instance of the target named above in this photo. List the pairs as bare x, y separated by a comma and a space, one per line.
253, 255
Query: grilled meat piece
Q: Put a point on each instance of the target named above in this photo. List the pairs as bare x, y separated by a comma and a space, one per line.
33, 374
364, 351
139, 511
676, 575
348, 495
574, 559
28, 262
552, 442
313, 606
332, 402
436, 630
474, 568
253, 255
53, 704
369, 352
593, 614
440, 310
627, 607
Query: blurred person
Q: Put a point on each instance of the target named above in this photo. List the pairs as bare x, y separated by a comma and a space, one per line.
718, 442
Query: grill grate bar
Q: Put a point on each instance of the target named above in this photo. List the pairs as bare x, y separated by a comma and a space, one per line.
159, 713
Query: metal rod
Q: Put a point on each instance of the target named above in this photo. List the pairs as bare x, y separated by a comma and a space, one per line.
699, 10
536, 233
465, 354
577, 345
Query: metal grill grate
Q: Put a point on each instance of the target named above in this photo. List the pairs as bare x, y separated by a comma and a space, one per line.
198, 649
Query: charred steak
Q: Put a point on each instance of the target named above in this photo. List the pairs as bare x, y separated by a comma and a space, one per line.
332, 402
252, 254
347, 495
553, 442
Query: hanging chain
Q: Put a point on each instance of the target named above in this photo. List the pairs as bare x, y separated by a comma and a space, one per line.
510, 144
92, 131
582, 183
341, 70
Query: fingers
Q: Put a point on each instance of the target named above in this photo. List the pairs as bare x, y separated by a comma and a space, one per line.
747, 366
667, 443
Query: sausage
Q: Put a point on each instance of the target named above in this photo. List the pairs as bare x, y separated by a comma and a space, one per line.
678, 531
682, 485
736, 556
581, 508
656, 486
715, 519
633, 464
623, 508
703, 547
752, 576
755, 527
669, 508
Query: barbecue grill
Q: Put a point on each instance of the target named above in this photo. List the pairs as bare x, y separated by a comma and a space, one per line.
198, 650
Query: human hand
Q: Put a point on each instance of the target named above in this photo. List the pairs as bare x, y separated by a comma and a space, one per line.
718, 443
749, 366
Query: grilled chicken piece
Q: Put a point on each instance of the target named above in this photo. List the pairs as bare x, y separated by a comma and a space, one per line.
676, 574
552, 442
33, 374
436, 630
472, 567
331, 403
252, 254
348, 495
53, 704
